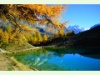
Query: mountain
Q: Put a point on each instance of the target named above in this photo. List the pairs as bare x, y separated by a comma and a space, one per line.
43, 31
89, 38
48, 32
96, 25
76, 28
86, 39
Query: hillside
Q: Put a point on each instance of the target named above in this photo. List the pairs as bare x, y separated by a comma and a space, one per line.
87, 39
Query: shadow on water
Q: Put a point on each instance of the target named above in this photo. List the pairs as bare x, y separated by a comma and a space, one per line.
90, 53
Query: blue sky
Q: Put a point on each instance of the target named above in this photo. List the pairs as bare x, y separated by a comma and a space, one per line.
84, 15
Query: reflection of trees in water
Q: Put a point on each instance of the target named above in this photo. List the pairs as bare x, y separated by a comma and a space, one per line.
91, 53
36, 61
40, 58
42, 62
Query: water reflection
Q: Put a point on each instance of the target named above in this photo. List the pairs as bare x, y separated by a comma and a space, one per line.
61, 60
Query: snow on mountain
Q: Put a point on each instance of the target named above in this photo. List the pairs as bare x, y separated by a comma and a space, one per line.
76, 28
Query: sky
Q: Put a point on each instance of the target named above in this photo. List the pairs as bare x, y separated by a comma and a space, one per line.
84, 15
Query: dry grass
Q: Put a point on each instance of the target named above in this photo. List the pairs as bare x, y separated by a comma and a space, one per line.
11, 64
16, 47
5, 64
21, 66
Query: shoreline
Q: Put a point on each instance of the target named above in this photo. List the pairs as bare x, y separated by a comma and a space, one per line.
15, 65
20, 66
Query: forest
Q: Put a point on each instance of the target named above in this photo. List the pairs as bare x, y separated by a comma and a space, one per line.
19, 19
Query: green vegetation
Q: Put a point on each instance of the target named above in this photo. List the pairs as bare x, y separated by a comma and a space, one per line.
55, 48
21, 66
15, 47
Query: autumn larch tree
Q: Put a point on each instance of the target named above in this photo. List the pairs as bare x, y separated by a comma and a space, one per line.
45, 38
32, 13
20, 16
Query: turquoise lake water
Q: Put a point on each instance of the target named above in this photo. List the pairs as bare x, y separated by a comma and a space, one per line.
52, 61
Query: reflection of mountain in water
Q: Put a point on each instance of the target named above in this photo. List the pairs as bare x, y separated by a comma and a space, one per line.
95, 56
68, 59
84, 52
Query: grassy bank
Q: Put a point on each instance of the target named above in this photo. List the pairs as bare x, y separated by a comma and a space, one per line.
15, 64
20, 66
11, 64
16, 47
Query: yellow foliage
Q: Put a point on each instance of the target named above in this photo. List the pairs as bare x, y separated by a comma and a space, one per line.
6, 36
32, 13
61, 32
34, 40
45, 38
26, 28
39, 37
29, 13
1, 32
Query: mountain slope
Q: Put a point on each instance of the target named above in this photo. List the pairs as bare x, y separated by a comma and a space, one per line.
96, 25
86, 39
76, 29
89, 38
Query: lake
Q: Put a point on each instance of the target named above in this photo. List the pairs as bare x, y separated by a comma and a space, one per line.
69, 60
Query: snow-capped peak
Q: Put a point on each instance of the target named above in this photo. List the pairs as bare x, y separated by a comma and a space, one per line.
76, 28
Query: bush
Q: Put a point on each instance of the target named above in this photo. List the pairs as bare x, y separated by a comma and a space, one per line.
70, 33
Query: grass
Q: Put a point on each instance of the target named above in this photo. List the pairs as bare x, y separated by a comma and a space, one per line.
16, 47
12, 64
21, 66
10, 67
